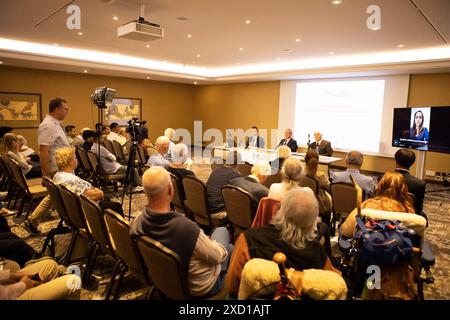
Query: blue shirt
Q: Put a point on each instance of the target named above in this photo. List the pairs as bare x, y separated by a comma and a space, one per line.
366, 183
158, 160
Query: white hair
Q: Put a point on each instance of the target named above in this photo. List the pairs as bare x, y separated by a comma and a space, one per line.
180, 153
21, 139
292, 171
297, 217
169, 133
284, 152
162, 140
261, 168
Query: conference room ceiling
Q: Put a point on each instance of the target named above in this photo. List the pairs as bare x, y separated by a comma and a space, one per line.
282, 39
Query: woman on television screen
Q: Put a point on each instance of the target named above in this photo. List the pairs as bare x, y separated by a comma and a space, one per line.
418, 131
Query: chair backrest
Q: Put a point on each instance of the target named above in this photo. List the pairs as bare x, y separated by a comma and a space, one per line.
73, 206
84, 159
238, 204
273, 178
96, 223
267, 209
141, 155
6, 169
93, 160
310, 182
344, 197
177, 200
57, 200
109, 146
18, 175
244, 169
123, 246
164, 268
195, 191
118, 151
151, 151
216, 162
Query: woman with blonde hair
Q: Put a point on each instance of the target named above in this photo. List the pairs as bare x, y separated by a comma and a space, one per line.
10, 149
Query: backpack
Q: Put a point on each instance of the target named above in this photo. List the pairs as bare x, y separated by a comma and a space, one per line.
383, 242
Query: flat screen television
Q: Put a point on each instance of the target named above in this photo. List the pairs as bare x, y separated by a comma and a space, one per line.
422, 128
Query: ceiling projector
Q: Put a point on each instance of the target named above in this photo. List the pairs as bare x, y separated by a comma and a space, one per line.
141, 30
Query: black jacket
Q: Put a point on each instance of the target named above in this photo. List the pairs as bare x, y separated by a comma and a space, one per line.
291, 144
325, 148
416, 187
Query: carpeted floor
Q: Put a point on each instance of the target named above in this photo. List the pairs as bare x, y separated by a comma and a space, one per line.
436, 205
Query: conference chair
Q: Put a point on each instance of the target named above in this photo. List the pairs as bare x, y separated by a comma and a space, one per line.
103, 177
177, 201
86, 167
244, 169
109, 146
165, 269
118, 152
196, 203
310, 182
126, 252
238, 204
273, 178
267, 209
151, 151
30, 193
344, 200
98, 232
58, 204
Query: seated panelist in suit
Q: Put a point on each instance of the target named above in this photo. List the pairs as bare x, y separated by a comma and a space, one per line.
288, 141
323, 147
255, 140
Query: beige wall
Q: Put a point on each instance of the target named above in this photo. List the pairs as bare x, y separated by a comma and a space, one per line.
164, 104
233, 106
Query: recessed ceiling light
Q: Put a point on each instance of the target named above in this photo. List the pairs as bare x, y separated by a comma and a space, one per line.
85, 71
147, 46
336, 2
80, 33
164, 61
148, 78
298, 40
400, 45
1, 62
55, 44
197, 55
195, 82
115, 18
237, 63
278, 59
332, 52
182, 18
247, 21
286, 51
240, 49
189, 35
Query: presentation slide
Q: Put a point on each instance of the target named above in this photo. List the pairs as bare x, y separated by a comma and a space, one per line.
341, 110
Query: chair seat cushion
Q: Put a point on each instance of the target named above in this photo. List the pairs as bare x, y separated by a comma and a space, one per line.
37, 190
115, 176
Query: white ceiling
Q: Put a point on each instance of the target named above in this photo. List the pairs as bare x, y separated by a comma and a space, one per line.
218, 30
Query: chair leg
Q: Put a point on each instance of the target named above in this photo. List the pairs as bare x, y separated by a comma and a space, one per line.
66, 260
110, 287
90, 264
119, 282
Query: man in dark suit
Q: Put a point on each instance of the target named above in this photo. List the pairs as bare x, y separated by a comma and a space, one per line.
404, 159
253, 183
323, 147
255, 140
288, 141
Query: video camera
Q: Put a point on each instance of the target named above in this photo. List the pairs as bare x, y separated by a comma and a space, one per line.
136, 129
103, 96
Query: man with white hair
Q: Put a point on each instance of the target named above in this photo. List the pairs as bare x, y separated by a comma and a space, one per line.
253, 183
288, 141
204, 259
158, 159
354, 160
293, 232
178, 167
323, 147
168, 133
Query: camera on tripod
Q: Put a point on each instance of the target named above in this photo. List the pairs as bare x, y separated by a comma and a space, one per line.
103, 96
135, 129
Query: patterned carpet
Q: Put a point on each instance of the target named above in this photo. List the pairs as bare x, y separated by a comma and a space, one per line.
436, 205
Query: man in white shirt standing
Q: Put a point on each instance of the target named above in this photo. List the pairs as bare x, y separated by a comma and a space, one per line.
114, 134
51, 136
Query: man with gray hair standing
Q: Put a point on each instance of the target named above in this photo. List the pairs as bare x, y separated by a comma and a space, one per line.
354, 160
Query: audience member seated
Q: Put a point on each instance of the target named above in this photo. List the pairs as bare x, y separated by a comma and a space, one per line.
205, 259
110, 165
145, 143
312, 162
88, 137
25, 150
72, 136
283, 153
293, 232
41, 280
114, 134
391, 194
404, 159
291, 175
10, 149
67, 163
354, 160
168, 133
219, 178
253, 183
157, 159
178, 166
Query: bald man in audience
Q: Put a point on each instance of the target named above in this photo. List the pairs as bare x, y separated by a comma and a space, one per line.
354, 161
205, 259
158, 159
322, 146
